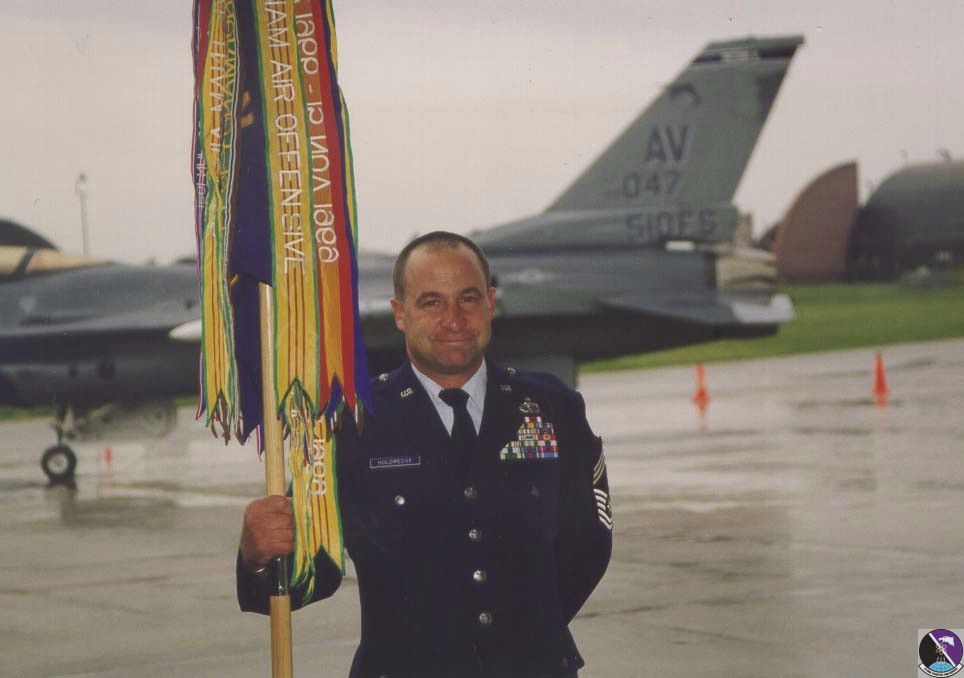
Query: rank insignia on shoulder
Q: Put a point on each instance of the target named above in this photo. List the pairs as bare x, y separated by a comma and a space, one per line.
535, 439
599, 469
529, 407
407, 392
505, 388
604, 508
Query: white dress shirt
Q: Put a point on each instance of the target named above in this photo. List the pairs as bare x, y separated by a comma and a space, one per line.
475, 387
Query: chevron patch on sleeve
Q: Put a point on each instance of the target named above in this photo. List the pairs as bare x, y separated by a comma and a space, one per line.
600, 488
604, 508
600, 468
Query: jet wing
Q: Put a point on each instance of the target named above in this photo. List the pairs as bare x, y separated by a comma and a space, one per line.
79, 323
709, 309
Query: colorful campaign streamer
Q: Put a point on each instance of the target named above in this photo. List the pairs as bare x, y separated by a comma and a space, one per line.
214, 150
311, 461
296, 230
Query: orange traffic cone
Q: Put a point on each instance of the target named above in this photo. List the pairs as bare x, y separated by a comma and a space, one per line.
880, 381
701, 398
105, 485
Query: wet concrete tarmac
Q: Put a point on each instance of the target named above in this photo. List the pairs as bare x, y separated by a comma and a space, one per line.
796, 529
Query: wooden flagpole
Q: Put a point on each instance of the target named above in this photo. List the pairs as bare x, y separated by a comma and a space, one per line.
274, 475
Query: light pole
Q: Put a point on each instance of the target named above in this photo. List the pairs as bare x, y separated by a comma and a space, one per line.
80, 188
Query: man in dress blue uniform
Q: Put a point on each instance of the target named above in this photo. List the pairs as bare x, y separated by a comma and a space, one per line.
475, 505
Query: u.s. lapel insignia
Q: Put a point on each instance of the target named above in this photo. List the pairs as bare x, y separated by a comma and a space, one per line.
505, 388
529, 407
407, 392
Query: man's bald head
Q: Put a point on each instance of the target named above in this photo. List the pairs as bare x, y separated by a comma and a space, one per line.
433, 241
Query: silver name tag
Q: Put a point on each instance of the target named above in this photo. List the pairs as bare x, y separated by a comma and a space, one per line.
393, 462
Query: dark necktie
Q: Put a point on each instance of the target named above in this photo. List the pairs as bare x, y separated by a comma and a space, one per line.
463, 430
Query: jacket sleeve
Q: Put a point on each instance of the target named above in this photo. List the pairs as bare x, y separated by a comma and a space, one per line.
585, 539
254, 590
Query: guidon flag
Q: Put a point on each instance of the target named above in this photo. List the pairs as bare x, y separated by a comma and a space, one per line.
274, 204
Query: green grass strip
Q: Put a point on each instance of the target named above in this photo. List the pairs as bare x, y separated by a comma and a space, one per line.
829, 317
15, 413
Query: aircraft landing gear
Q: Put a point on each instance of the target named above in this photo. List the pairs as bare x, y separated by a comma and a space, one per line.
59, 462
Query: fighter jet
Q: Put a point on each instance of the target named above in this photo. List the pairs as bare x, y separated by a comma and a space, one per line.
635, 255
97, 339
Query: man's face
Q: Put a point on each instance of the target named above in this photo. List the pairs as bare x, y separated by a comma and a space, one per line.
446, 313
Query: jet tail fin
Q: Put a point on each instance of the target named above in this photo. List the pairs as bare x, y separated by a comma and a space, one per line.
692, 144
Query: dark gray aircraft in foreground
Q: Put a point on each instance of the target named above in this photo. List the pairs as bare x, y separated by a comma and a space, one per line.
635, 255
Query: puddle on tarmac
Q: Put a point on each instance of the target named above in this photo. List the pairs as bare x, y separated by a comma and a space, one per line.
833, 431
834, 404
136, 512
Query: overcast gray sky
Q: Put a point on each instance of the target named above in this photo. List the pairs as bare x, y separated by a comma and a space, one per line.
464, 114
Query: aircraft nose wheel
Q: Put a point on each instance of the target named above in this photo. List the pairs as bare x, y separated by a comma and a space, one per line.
59, 462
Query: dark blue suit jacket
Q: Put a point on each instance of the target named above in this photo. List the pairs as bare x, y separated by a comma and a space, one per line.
475, 568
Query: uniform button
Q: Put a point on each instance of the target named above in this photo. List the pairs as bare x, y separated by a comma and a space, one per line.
475, 534
399, 500
565, 663
534, 491
485, 618
480, 576
470, 492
